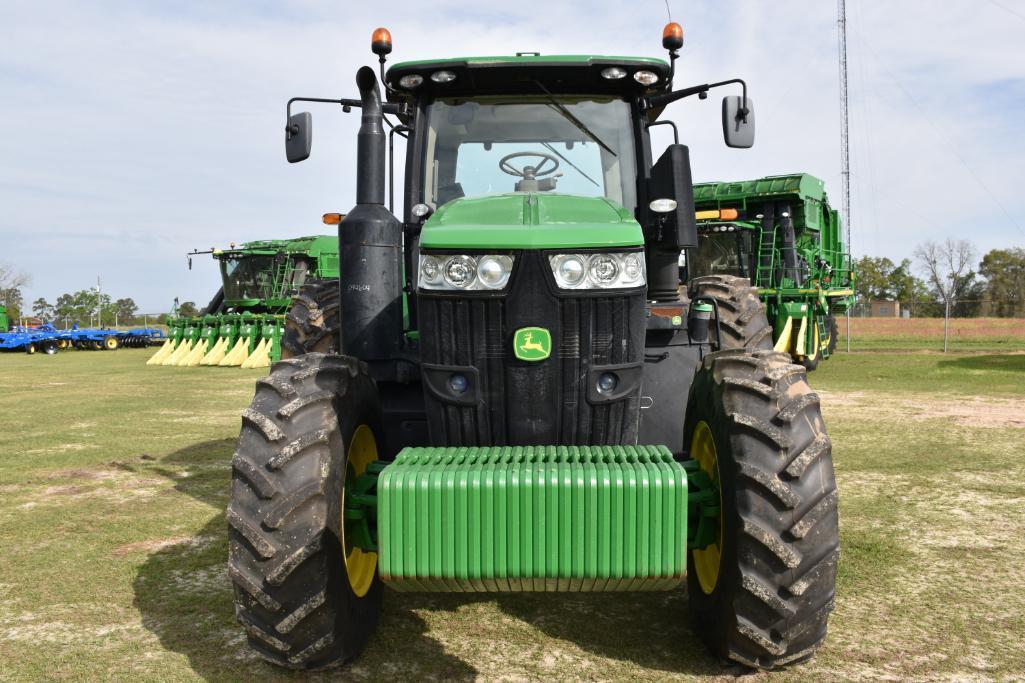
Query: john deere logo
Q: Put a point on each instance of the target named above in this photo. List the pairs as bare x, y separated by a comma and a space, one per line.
532, 343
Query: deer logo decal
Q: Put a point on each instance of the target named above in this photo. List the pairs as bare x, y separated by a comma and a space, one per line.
532, 343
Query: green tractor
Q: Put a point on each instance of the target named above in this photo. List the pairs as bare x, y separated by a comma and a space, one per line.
522, 399
5, 322
245, 323
781, 234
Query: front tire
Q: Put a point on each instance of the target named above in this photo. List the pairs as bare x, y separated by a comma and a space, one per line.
761, 593
305, 601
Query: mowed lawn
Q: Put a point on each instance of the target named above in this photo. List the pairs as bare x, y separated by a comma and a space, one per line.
114, 478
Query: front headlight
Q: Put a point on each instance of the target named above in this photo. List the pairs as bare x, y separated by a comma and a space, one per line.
598, 271
461, 272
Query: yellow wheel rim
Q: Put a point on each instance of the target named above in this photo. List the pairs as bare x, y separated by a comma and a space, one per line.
110, 342
359, 564
707, 560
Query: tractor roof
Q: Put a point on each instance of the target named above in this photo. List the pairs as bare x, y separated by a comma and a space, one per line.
313, 244
498, 75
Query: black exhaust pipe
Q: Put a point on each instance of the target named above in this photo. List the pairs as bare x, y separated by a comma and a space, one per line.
370, 141
370, 244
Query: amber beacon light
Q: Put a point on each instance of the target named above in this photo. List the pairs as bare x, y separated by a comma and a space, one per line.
380, 41
672, 36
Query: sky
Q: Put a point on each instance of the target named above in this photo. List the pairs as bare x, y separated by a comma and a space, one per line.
134, 132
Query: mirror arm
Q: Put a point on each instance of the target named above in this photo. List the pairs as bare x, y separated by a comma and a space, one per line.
667, 122
670, 97
346, 104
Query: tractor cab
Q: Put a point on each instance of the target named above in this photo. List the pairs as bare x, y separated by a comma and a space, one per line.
498, 125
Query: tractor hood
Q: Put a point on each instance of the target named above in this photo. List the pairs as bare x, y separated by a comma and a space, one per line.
526, 220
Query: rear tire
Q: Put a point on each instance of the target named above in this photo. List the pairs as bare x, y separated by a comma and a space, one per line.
293, 591
30, 349
313, 325
741, 313
767, 602
111, 343
51, 347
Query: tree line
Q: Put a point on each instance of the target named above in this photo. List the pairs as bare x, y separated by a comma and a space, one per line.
945, 274
86, 307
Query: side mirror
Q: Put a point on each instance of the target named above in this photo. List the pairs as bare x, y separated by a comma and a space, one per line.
299, 137
738, 121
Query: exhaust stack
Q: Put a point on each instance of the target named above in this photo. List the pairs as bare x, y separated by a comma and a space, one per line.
370, 244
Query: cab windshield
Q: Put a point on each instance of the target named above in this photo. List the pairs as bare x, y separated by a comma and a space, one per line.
717, 254
247, 277
566, 145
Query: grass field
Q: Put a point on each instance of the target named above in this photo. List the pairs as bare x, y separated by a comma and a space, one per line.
114, 479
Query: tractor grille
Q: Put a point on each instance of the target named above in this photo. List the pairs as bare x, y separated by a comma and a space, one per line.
514, 402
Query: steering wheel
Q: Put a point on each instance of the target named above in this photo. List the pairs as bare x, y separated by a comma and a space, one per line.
529, 172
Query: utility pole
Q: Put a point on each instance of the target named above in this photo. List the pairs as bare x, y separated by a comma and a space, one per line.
99, 303
845, 158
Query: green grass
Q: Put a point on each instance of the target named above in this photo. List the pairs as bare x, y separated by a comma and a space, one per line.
115, 476
976, 374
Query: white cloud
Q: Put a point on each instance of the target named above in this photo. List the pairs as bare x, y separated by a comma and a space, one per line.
135, 132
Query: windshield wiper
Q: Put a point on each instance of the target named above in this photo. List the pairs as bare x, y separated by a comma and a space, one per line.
574, 120
554, 151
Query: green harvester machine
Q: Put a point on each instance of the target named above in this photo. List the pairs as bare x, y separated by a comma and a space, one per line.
5, 322
522, 395
781, 233
244, 325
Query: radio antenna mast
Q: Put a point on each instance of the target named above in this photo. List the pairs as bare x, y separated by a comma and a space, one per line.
845, 157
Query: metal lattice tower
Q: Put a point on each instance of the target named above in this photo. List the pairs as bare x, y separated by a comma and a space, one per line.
845, 159
845, 156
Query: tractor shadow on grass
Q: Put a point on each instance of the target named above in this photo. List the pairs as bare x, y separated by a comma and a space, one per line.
1004, 362
652, 630
184, 596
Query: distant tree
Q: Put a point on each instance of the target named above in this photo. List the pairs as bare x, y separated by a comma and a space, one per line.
912, 292
11, 282
81, 307
971, 292
187, 309
874, 278
11, 299
43, 309
1004, 270
125, 310
946, 267
12, 278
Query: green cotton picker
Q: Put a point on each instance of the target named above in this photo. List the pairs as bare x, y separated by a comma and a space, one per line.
245, 324
781, 234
